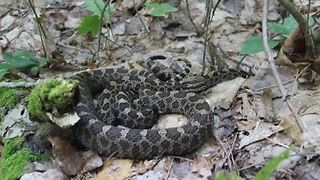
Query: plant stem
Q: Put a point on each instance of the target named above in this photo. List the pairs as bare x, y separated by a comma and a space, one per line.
303, 24
40, 28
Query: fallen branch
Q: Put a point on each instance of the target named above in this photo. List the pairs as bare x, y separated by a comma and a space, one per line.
19, 84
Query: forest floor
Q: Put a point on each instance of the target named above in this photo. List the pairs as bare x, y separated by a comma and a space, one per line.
261, 125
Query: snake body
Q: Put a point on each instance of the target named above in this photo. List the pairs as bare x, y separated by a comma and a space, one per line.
97, 128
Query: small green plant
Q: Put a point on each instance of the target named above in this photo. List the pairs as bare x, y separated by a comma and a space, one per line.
4, 68
223, 176
265, 172
38, 20
160, 9
20, 60
254, 44
92, 23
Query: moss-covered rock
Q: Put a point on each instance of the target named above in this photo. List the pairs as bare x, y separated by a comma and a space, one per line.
8, 99
14, 159
51, 96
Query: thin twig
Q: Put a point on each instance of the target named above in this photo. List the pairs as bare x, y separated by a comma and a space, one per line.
227, 153
169, 170
18, 84
73, 47
207, 19
273, 66
303, 24
198, 30
138, 14
40, 28
209, 15
117, 44
100, 28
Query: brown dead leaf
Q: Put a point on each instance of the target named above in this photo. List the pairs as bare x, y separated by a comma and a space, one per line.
202, 167
70, 159
245, 113
306, 104
261, 131
91, 162
292, 128
223, 93
134, 26
316, 65
295, 48
115, 169
160, 170
305, 9
43, 166
144, 166
8, 23
266, 112
157, 32
264, 79
190, 16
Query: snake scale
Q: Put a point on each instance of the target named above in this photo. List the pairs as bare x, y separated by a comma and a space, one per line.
98, 131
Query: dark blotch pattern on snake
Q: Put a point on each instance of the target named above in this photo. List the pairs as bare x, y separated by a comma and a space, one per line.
96, 129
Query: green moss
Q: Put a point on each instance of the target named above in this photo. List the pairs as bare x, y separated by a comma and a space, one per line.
7, 98
50, 96
14, 160
11, 146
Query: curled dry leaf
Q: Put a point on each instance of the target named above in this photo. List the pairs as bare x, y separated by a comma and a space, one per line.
306, 103
91, 162
266, 112
70, 159
261, 131
291, 127
202, 167
295, 52
16, 122
115, 169
159, 171
144, 166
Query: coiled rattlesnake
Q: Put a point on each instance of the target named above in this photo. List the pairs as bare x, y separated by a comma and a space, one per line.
146, 90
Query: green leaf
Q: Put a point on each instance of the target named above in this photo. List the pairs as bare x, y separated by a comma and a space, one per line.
265, 172
158, 12
153, 5
255, 45
277, 28
222, 176
168, 8
89, 24
288, 26
96, 6
291, 24
35, 69
109, 10
160, 9
3, 69
20, 59
38, 20
43, 63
